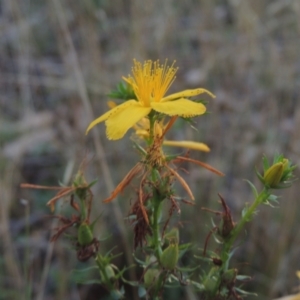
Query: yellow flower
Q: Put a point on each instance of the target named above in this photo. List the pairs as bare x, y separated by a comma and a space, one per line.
150, 82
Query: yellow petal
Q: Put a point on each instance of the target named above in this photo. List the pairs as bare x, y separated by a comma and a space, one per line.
110, 113
187, 144
181, 107
119, 123
186, 94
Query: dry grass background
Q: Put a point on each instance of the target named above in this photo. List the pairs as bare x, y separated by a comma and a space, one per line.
59, 59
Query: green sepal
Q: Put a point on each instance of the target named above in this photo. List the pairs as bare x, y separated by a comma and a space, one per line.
109, 271
170, 257
266, 164
123, 91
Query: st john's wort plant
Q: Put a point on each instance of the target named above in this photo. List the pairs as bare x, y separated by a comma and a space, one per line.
145, 109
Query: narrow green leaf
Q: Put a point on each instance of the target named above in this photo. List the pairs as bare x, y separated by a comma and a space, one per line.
253, 188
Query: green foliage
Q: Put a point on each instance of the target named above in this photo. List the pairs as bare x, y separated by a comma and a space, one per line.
169, 257
123, 91
163, 259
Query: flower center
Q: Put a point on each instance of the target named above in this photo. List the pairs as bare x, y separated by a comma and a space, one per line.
151, 80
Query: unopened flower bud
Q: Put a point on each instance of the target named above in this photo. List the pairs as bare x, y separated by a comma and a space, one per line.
109, 271
210, 282
169, 257
85, 234
158, 129
273, 175
150, 277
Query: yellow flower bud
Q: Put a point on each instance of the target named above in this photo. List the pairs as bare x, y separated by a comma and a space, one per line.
274, 174
158, 129
169, 257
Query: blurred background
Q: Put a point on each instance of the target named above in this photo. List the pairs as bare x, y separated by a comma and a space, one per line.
58, 61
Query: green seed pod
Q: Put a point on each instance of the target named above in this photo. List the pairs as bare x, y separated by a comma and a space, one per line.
169, 257
85, 234
273, 175
172, 236
110, 273
150, 277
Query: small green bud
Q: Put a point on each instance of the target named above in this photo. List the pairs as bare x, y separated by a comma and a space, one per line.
229, 275
210, 282
79, 179
110, 273
172, 236
85, 234
210, 285
273, 175
169, 257
150, 277
279, 175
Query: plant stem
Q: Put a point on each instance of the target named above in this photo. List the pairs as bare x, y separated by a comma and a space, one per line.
151, 133
156, 201
155, 227
158, 286
156, 238
102, 270
225, 256
229, 241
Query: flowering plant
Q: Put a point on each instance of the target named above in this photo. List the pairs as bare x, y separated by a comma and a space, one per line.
147, 110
